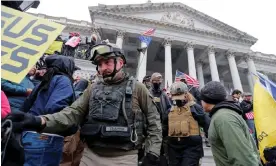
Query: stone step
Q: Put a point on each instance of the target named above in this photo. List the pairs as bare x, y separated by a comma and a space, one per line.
208, 159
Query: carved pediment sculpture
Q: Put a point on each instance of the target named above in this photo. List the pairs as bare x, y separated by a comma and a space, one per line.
177, 18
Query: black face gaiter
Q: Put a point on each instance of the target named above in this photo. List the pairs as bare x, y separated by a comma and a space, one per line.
156, 86
180, 103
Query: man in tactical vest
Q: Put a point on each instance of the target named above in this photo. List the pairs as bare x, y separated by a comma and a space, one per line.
163, 103
185, 117
114, 114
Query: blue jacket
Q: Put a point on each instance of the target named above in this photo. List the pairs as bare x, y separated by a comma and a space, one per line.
16, 93
59, 95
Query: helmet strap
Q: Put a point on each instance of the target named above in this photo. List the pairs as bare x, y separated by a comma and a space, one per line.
112, 75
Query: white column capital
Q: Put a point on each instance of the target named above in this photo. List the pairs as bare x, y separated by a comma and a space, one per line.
245, 71
120, 33
248, 57
95, 29
229, 54
189, 46
211, 50
167, 42
199, 63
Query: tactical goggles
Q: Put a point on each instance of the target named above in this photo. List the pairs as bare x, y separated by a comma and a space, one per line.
105, 51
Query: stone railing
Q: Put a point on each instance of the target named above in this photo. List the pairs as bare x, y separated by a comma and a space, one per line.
63, 20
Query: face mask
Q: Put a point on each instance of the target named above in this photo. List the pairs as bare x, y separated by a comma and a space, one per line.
156, 86
180, 103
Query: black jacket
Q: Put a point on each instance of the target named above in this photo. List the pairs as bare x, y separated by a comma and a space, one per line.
246, 106
195, 92
165, 105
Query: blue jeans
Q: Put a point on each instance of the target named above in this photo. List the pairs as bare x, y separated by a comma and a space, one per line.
42, 149
251, 126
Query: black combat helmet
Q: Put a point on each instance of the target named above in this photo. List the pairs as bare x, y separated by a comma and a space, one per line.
146, 78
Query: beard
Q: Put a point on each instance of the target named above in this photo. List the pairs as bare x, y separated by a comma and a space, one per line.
108, 78
106, 73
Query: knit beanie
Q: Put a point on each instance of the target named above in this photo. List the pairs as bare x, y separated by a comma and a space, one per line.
213, 92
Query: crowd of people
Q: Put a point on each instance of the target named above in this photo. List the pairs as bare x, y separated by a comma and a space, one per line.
113, 119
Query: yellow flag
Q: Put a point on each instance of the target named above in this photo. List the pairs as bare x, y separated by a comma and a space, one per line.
55, 46
24, 39
264, 117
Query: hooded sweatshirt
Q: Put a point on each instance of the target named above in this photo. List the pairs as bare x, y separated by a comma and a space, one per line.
230, 138
55, 91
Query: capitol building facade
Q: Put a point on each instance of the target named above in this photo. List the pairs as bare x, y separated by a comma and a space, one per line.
185, 39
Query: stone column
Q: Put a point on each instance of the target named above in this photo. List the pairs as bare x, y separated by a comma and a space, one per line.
95, 31
200, 74
222, 81
168, 62
213, 64
120, 39
251, 67
267, 84
234, 70
142, 65
191, 59
249, 78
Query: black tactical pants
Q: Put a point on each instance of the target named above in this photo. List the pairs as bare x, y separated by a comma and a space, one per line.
180, 158
183, 153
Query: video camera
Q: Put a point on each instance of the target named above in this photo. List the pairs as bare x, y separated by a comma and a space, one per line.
21, 5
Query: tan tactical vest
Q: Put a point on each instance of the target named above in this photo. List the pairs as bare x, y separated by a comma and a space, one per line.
181, 122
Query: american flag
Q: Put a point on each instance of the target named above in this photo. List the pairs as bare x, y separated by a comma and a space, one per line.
249, 115
190, 80
149, 32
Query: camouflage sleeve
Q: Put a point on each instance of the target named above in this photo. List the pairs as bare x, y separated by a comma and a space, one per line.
69, 116
149, 108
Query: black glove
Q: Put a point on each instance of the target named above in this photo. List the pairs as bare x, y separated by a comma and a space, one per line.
24, 121
270, 154
150, 160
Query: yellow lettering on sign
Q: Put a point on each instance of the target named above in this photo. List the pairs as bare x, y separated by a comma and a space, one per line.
24, 40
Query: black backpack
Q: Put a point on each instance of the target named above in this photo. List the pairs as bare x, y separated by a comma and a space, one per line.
12, 152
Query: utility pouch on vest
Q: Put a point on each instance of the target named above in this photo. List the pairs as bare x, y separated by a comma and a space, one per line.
182, 123
91, 130
104, 102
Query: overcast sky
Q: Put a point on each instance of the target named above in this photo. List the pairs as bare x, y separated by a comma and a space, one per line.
255, 17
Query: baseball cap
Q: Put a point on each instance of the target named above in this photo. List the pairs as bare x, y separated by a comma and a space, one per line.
178, 90
156, 75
